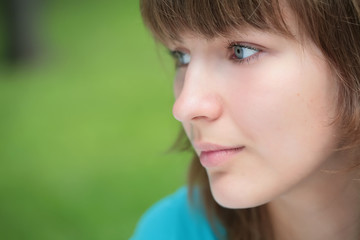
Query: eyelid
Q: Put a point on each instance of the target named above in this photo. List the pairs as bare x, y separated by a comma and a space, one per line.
245, 45
182, 58
254, 47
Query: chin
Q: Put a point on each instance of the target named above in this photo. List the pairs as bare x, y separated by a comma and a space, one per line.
234, 196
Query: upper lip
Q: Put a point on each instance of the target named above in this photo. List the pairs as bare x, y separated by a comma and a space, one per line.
211, 147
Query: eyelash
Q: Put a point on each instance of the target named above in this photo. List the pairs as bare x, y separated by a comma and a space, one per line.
231, 46
248, 59
177, 55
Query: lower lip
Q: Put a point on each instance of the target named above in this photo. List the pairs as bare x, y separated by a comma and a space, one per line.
211, 159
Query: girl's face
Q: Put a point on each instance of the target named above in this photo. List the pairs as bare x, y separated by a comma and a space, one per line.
257, 108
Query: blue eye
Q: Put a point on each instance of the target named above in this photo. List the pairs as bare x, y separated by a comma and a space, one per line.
181, 58
242, 52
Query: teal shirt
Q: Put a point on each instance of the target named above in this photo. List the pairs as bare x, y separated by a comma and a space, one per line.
174, 218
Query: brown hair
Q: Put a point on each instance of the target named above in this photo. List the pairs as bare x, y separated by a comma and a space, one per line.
332, 25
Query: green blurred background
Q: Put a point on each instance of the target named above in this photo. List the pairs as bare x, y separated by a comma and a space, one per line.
86, 127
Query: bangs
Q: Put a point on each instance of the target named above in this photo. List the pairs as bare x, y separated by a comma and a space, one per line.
169, 19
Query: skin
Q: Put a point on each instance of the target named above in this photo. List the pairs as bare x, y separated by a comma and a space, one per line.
278, 105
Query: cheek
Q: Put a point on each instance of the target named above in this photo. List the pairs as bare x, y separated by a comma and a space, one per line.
284, 118
287, 112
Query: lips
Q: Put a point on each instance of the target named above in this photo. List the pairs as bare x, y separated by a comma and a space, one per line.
213, 155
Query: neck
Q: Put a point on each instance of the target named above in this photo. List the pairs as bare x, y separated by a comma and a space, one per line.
326, 206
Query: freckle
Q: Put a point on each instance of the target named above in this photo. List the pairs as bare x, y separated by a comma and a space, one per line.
298, 94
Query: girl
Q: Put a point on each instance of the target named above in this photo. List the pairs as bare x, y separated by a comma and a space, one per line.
268, 93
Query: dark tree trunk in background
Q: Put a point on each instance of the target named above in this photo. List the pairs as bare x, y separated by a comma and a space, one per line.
21, 45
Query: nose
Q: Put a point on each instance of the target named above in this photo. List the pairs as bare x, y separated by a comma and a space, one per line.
198, 98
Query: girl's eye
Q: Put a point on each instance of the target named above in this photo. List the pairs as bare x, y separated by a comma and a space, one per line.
181, 58
241, 52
